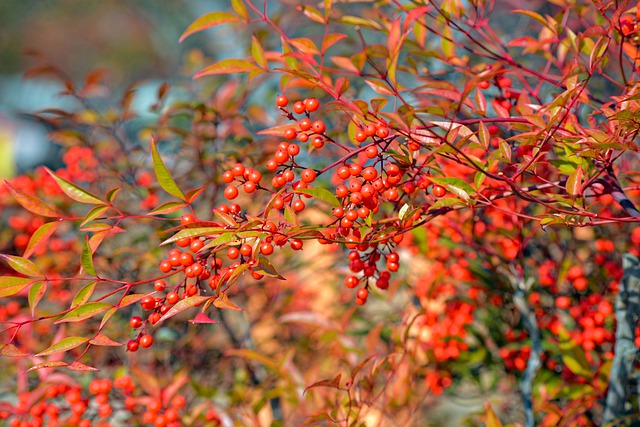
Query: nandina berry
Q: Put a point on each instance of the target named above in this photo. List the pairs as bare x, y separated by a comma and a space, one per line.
299, 107
296, 244
439, 191
187, 219
504, 82
172, 298
305, 124
293, 150
132, 346
360, 136
318, 142
136, 321
308, 175
371, 152
165, 266
196, 245
233, 253
370, 173
351, 282
382, 132
311, 104
148, 302
266, 248
249, 187
183, 242
146, 340
282, 101
289, 133
319, 127
484, 84
186, 259
230, 192
363, 293
298, 205
160, 285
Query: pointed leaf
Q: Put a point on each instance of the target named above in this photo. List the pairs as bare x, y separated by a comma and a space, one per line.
87, 258
223, 302
183, 305
111, 194
51, 364
163, 175
131, 299
322, 194
32, 203
23, 266
167, 208
265, 267
258, 52
240, 8
193, 232
202, 318
10, 350
85, 311
455, 185
40, 237
93, 214
36, 292
208, 20
333, 383
10, 285
103, 340
83, 294
228, 66
108, 316
78, 366
491, 419
574, 182
73, 191
65, 344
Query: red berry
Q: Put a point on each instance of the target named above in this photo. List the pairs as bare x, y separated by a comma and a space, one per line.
136, 321
299, 107
172, 298
231, 192
146, 340
308, 175
439, 191
318, 126
132, 346
160, 285
311, 104
484, 84
187, 219
282, 101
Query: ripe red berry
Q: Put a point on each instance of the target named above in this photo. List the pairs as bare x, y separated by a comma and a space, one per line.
360, 136
165, 266
160, 285
231, 192
318, 126
148, 302
439, 191
187, 219
351, 281
172, 298
299, 107
311, 104
135, 321
282, 101
484, 84
132, 346
289, 133
146, 340
308, 175
266, 248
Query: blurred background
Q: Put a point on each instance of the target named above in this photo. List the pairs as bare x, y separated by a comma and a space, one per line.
133, 41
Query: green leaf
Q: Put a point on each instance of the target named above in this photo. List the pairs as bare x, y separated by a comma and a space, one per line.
258, 52
87, 258
36, 292
10, 285
228, 66
223, 302
183, 305
403, 211
32, 203
447, 202
83, 294
227, 219
65, 344
240, 8
94, 213
573, 355
193, 232
457, 186
265, 267
322, 194
75, 192
167, 208
85, 311
40, 237
111, 194
23, 266
208, 20
163, 175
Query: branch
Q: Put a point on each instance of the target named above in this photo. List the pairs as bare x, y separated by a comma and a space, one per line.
627, 313
534, 363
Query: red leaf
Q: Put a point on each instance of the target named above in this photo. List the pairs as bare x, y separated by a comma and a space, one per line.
40, 237
104, 340
77, 366
334, 383
228, 66
202, 318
